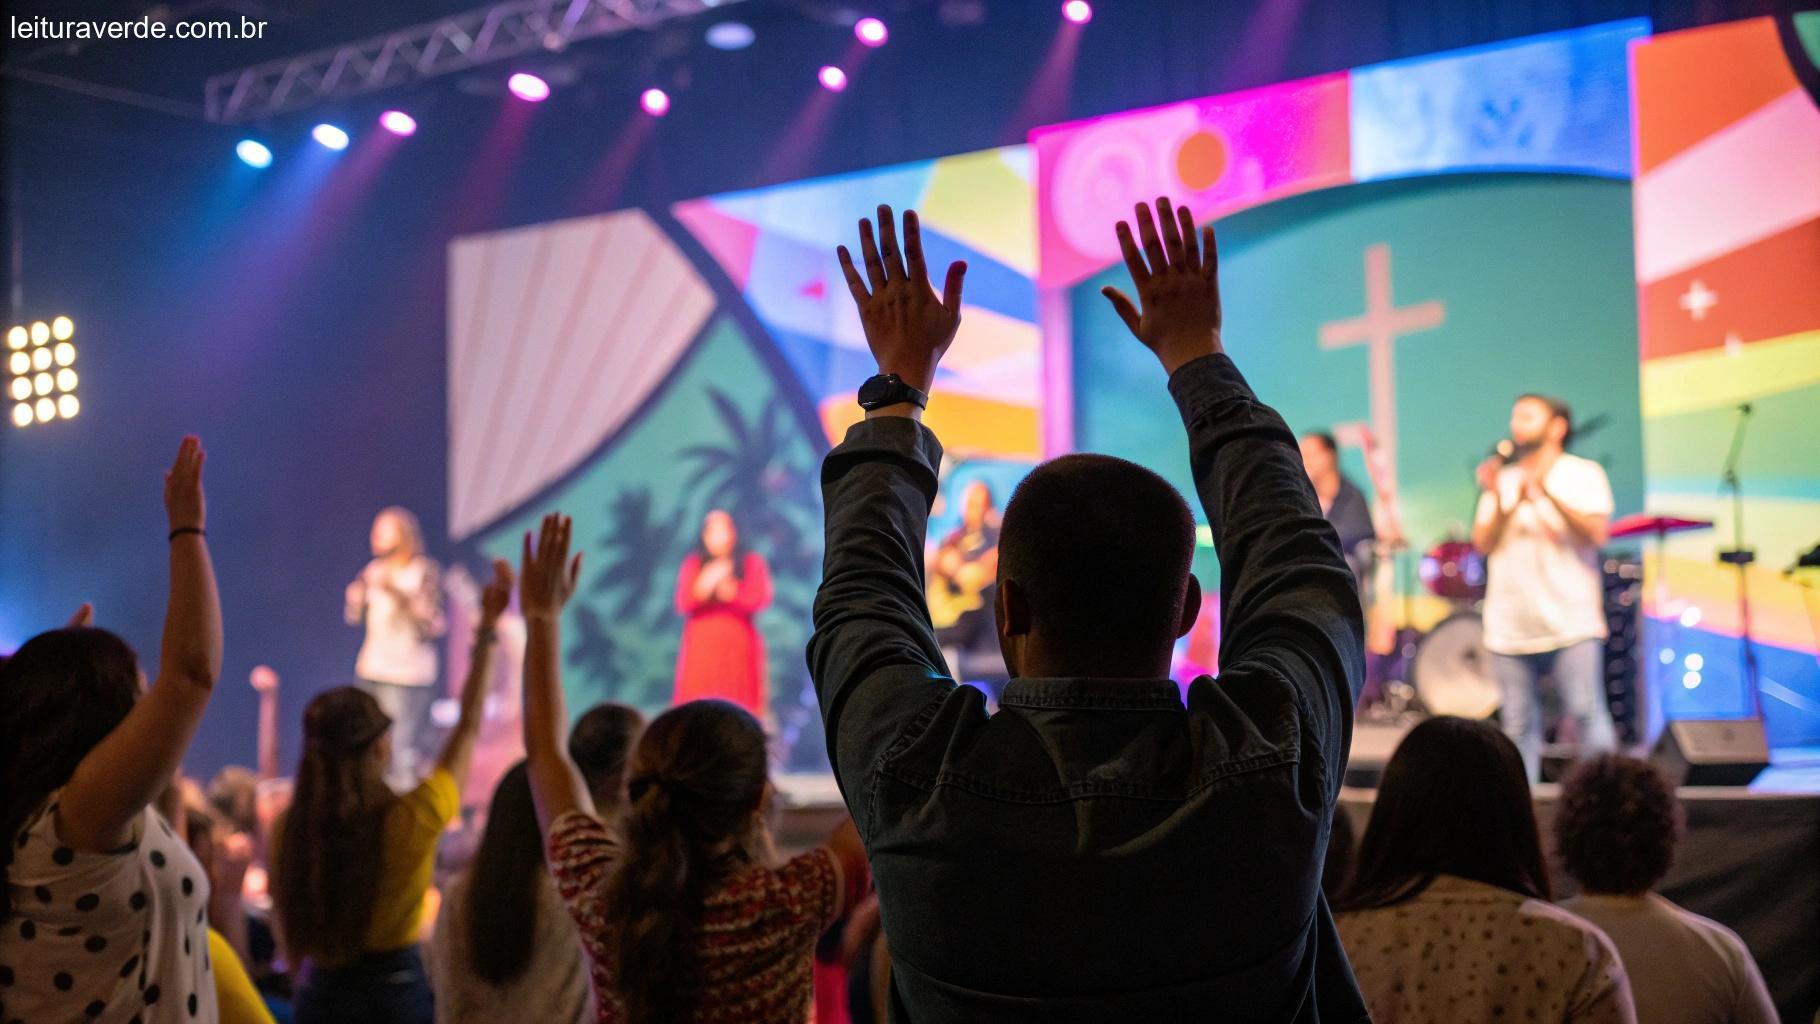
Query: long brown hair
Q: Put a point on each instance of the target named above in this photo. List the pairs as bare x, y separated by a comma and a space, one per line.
333, 835
1454, 801
502, 904
698, 777
63, 692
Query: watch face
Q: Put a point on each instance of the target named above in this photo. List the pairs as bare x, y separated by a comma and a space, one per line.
875, 390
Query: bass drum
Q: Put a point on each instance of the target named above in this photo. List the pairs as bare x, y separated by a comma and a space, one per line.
1451, 670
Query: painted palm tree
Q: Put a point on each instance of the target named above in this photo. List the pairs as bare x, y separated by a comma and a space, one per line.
753, 479
640, 547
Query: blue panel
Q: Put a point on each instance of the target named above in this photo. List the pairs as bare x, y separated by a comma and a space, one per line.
1552, 102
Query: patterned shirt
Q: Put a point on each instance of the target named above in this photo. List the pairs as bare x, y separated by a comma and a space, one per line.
115, 937
753, 961
1466, 951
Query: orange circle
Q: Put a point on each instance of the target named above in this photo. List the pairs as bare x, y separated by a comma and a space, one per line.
1201, 160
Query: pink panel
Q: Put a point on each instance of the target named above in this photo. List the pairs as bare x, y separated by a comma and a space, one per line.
1218, 155
728, 239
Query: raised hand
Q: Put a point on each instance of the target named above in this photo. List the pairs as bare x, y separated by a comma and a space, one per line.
548, 576
183, 500
1177, 315
908, 326
496, 595
84, 617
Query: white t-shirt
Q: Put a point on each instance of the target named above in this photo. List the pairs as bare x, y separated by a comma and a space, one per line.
400, 646
1683, 968
1543, 586
114, 937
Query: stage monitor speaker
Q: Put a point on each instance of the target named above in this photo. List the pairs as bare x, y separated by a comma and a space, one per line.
1712, 751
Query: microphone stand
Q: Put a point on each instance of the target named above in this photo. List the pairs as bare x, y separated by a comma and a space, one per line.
1742, 557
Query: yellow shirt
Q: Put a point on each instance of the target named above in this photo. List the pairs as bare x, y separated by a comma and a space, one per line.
234, 992
413, 826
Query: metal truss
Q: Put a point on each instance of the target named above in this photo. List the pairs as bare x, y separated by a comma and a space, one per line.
496, 32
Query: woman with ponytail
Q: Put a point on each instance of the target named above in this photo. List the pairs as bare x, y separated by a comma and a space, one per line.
103, 907
684, 914
351, 859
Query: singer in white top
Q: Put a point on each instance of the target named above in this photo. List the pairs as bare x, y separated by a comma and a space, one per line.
398, 598
1542, 516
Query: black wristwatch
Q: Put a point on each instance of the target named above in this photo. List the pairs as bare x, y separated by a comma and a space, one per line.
889, 389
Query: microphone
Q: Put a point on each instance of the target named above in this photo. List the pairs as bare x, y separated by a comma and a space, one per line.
1504, 450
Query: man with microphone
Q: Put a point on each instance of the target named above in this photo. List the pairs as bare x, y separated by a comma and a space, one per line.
1542, 516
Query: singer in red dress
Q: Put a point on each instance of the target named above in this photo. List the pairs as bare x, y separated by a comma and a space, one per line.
720, 590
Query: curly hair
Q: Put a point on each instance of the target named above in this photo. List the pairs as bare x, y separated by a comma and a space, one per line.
1616, 827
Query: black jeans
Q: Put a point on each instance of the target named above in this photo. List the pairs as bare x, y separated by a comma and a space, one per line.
378, 988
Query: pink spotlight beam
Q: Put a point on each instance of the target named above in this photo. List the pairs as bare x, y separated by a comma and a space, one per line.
1080, 12
398, 122
871, 31
832, 78
528, 87
655, 102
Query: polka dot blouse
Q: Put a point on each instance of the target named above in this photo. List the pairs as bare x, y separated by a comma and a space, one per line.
120, 936
1465, 951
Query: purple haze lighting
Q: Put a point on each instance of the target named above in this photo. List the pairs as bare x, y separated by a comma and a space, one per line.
870, 31
832, 78
330, 136
528, 87
398, 122
655, 102
1078, 11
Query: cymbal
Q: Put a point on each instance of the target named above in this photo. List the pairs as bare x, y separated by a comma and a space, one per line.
1640, 524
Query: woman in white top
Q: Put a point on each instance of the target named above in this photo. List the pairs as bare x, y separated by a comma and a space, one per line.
1447, 917
398, 598
103, 915
504, 942
1615, 833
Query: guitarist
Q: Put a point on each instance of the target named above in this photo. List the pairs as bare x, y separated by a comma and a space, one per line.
963, 574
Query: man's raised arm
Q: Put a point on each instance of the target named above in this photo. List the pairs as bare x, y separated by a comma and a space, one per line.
1289, 603
873, 657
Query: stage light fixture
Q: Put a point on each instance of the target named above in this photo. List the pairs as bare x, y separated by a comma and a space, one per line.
253, 153
1690, 680
730, 35
832, 78
330, 136
1695, 663
398, 122
871, 31
655, 102
43, 384
1080, 12
1667, 657
528, 87
1690, 616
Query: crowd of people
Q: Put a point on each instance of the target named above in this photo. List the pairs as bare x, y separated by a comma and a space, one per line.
1100, 848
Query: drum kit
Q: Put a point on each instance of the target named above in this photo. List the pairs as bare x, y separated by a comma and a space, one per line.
1445, 670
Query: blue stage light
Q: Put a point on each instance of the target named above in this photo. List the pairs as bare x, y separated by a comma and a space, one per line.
330, 136
253, 154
